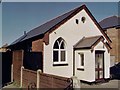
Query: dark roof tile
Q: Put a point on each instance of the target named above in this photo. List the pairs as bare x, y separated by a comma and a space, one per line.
87, 42
109, 22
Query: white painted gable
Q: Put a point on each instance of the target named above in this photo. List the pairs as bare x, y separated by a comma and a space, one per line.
72, 31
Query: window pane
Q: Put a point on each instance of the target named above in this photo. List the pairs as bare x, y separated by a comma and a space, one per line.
82, 59
56, 45
96, 75
55, 56
100, 74
62, 45
62, 55
59, 40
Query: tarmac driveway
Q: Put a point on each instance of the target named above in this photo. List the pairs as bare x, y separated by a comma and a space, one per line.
111, 84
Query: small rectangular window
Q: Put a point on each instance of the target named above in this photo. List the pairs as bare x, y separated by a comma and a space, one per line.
81, 59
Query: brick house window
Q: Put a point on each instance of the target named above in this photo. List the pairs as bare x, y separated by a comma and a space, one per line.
59, 52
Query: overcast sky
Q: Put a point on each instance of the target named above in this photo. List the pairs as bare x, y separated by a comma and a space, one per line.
20, 17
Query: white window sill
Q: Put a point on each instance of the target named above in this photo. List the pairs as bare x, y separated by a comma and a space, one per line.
60, 64
80, 68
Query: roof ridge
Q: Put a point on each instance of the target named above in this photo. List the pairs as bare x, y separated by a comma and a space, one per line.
109, 17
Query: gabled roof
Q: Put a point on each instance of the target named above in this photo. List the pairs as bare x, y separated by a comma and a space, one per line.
55, 23
110, 22
87, 42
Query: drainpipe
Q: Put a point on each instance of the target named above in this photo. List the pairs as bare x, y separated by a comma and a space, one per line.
73, 61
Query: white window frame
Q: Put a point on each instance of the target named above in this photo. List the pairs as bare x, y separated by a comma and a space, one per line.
59, 53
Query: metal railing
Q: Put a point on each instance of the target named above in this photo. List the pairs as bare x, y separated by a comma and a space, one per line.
70, 86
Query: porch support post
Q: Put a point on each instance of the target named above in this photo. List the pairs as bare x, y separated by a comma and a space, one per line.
12, 73
38, 78
21, 79
76, 83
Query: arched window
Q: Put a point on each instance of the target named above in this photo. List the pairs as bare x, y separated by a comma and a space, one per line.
59, 51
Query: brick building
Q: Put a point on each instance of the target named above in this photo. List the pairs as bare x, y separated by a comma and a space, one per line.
111, 26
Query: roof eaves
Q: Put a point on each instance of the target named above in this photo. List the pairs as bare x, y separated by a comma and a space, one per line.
97, 41
82, 48
18, 40
108, 45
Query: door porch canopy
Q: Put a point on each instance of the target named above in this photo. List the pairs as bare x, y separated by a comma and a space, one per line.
90, 43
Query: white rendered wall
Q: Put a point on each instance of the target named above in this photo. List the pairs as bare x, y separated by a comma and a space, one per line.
71, 33
89, 66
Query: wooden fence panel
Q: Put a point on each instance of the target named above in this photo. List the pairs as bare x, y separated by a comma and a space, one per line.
29, 78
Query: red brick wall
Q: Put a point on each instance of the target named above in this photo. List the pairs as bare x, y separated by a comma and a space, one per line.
113, 33
17, 63
119, 44
37, 46
29, 77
